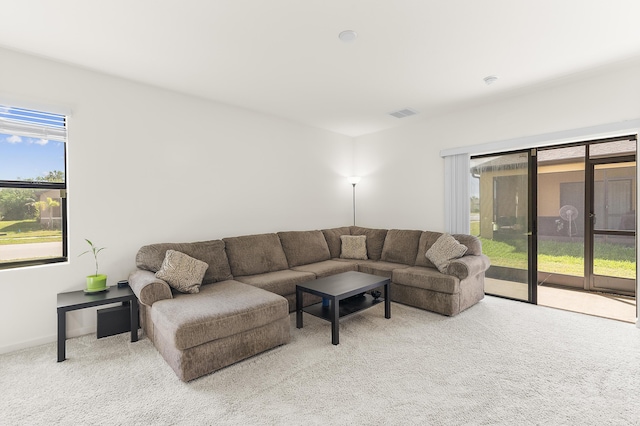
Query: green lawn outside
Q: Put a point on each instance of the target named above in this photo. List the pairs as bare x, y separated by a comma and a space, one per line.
561, 257
27, 232
564, 258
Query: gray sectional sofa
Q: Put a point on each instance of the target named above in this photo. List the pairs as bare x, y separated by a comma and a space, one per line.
248, 289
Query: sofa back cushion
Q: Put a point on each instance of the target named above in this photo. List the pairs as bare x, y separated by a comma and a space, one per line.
473, 243
255, 254
212, 252
304, 247
428, 238
375, 240
333, 239
401, 246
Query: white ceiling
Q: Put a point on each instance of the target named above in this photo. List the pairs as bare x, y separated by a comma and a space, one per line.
283, 57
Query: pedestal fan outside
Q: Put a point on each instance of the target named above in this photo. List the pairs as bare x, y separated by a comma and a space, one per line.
569, 213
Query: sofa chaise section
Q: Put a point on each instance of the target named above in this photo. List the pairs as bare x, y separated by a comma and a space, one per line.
225, 322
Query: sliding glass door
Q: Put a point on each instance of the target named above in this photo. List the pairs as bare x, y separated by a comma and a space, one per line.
502, 205
562, 216
558, 216
611, 249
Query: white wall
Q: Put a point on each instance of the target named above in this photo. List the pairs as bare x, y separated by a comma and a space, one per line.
402, 172
147, 165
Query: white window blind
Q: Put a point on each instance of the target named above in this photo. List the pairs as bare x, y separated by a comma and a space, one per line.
32, 146
456, 193
33, 124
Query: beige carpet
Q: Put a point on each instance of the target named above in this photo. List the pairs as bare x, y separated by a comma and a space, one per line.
500, 362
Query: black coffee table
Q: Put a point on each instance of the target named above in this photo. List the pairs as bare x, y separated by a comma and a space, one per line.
340, 289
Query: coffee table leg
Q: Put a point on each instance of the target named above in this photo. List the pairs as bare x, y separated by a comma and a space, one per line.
335, 321
62, 334
387, 301
298, 308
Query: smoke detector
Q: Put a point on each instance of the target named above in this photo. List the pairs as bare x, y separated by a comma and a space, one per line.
347, 36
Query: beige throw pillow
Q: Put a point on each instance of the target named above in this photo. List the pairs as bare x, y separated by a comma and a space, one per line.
182, 272
444, 250
353, 247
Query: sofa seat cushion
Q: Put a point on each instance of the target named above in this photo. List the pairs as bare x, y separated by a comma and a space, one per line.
220, 310
380, 268
426, 278
304, 247
255, 254
279, 282
328, 267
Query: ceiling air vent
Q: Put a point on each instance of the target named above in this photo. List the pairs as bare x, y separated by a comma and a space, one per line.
403, 113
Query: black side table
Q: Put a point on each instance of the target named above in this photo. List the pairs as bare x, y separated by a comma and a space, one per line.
74, 300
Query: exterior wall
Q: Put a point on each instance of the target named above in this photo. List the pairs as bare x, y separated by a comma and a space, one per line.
51, 216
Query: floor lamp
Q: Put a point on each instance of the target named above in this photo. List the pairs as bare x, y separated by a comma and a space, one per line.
353, 180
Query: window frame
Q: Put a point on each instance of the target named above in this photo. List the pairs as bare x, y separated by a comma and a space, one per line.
44, 186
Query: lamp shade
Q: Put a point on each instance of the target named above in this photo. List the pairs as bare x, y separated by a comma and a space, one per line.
354, 179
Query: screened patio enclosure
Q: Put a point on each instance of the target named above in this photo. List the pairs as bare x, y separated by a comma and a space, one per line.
561, 216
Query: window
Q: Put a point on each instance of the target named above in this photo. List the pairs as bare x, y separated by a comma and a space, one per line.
33, 208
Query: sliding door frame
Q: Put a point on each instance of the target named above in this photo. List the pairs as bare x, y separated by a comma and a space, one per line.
532, 232
590, 229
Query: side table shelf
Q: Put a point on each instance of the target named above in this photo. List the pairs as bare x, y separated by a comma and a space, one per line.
75, 300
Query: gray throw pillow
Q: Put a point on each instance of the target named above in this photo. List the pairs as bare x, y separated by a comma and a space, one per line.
182, 272
444, 250
353, 247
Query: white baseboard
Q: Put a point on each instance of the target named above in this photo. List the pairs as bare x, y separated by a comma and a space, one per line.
28, 344
45, 339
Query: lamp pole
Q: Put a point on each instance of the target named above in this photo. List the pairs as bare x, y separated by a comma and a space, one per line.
353, 180
354, 204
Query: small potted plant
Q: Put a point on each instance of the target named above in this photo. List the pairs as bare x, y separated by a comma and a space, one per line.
97, 282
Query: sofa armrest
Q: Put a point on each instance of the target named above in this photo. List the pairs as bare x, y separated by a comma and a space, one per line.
468, 266
147, 288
